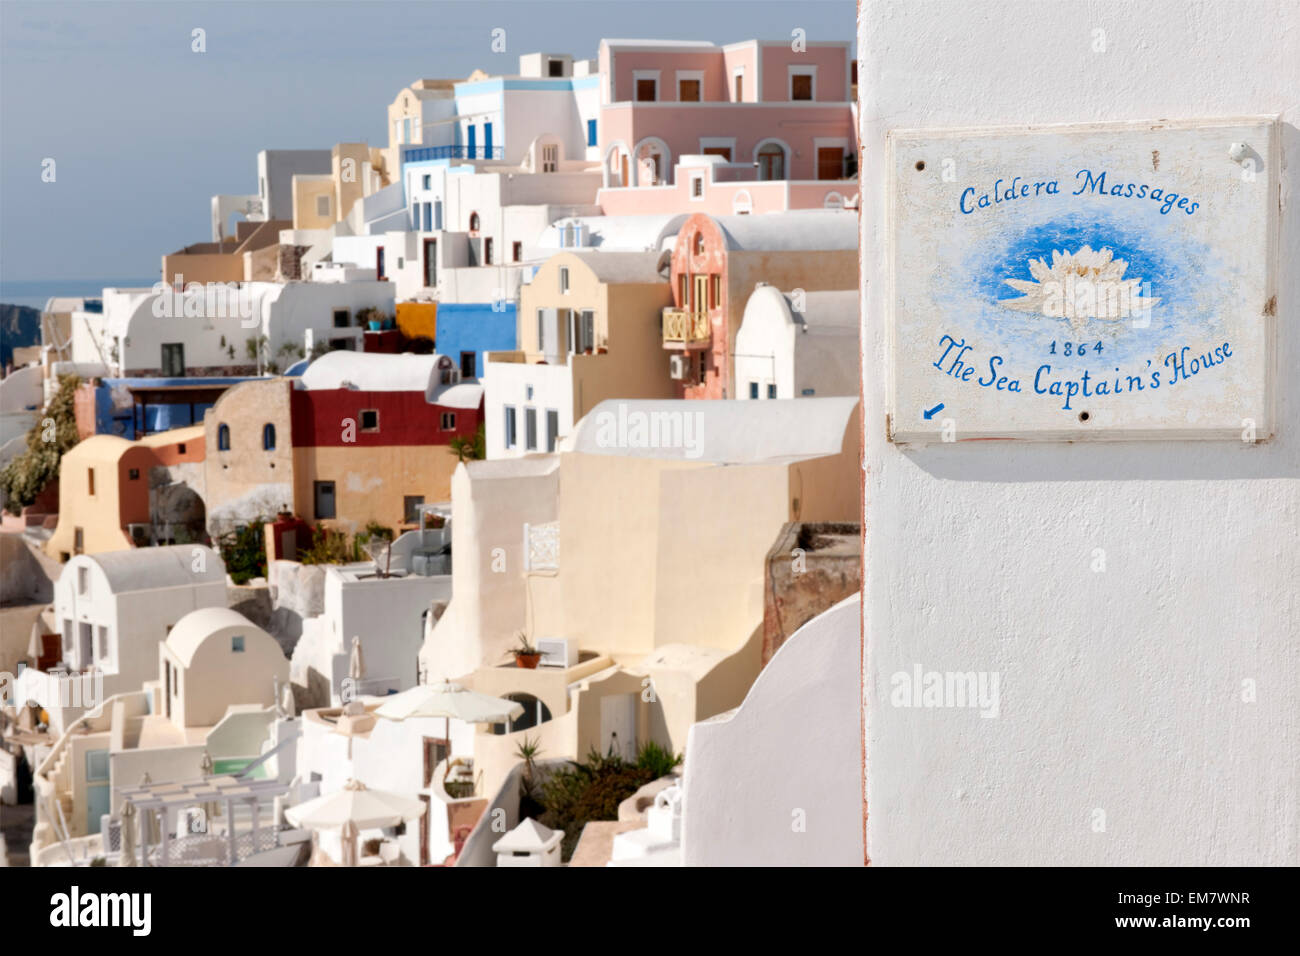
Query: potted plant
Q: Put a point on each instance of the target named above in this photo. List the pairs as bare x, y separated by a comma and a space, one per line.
526, 655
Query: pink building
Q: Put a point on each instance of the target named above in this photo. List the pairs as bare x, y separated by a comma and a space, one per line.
716, 263
768, 112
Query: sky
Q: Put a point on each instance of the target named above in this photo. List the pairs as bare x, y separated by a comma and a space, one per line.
144, 131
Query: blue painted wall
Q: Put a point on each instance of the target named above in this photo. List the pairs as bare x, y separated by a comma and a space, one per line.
475, 327
158, 418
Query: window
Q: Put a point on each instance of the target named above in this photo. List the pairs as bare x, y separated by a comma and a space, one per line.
647, 89
541, 331
323, 492
471, 140
801, 85
322, 205
223, 438
771, 391
697, 187
380, 274
180, 449
473, 224
550, 158
715, 291
487, 251
342, 318
448, 421
582, 331
530, 429
78, 540
428, 217
133, 474
517, 251
90, 481
369, 420
591, 133
173, 360
83, 581
528, 392
511, 439
740, 87
555, 68
771, 162
753, 390
564, 279
237, 644
426, 181
96, 765
688, 91
469, 365
704, 366
105, 644
268, 437
410, 508
406, 130
552, 428
699, 243
723, 151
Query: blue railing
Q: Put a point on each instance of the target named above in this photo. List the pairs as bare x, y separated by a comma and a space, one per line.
416, 154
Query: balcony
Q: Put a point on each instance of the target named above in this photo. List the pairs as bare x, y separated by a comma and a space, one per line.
416, 154
686, 330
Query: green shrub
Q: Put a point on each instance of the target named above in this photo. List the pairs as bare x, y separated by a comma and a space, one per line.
590, 790
24, 478
244, 552
658, 760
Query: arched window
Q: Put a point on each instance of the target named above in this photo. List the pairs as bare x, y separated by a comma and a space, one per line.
473, 223
771, 162
535, 712
268, 436
699, 244
223, 438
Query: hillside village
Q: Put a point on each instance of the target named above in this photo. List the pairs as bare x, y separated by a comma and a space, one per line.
455, 485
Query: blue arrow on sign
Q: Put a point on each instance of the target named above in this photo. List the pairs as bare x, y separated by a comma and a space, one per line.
933, 411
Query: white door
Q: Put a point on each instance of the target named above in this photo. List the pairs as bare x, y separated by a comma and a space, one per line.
618, 725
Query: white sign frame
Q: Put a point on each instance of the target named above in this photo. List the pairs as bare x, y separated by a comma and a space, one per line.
950, 199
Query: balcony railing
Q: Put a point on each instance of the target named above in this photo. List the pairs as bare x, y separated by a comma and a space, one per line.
416, 154
686, 329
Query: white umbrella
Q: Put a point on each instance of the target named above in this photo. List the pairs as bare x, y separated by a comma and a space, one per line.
357, 663
355, 803
126, 856
449, 700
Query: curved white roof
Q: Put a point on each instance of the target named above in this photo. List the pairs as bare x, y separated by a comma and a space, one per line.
386, 372
144, 569
820, 229
189, 633
616, 233
717, 432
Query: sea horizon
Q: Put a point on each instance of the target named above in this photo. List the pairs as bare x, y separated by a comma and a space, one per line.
34, 293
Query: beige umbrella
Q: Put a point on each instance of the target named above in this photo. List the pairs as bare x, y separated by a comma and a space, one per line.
350, 835
127, 849
355, 806
367, 808
446, 699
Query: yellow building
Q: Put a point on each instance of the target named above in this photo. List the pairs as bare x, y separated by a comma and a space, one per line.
110, 492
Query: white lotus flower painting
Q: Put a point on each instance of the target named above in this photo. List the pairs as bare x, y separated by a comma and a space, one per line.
1080, 286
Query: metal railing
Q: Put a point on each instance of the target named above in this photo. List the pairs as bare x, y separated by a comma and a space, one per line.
686, 328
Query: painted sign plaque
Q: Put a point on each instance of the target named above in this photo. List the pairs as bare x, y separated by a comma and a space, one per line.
1084, 282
